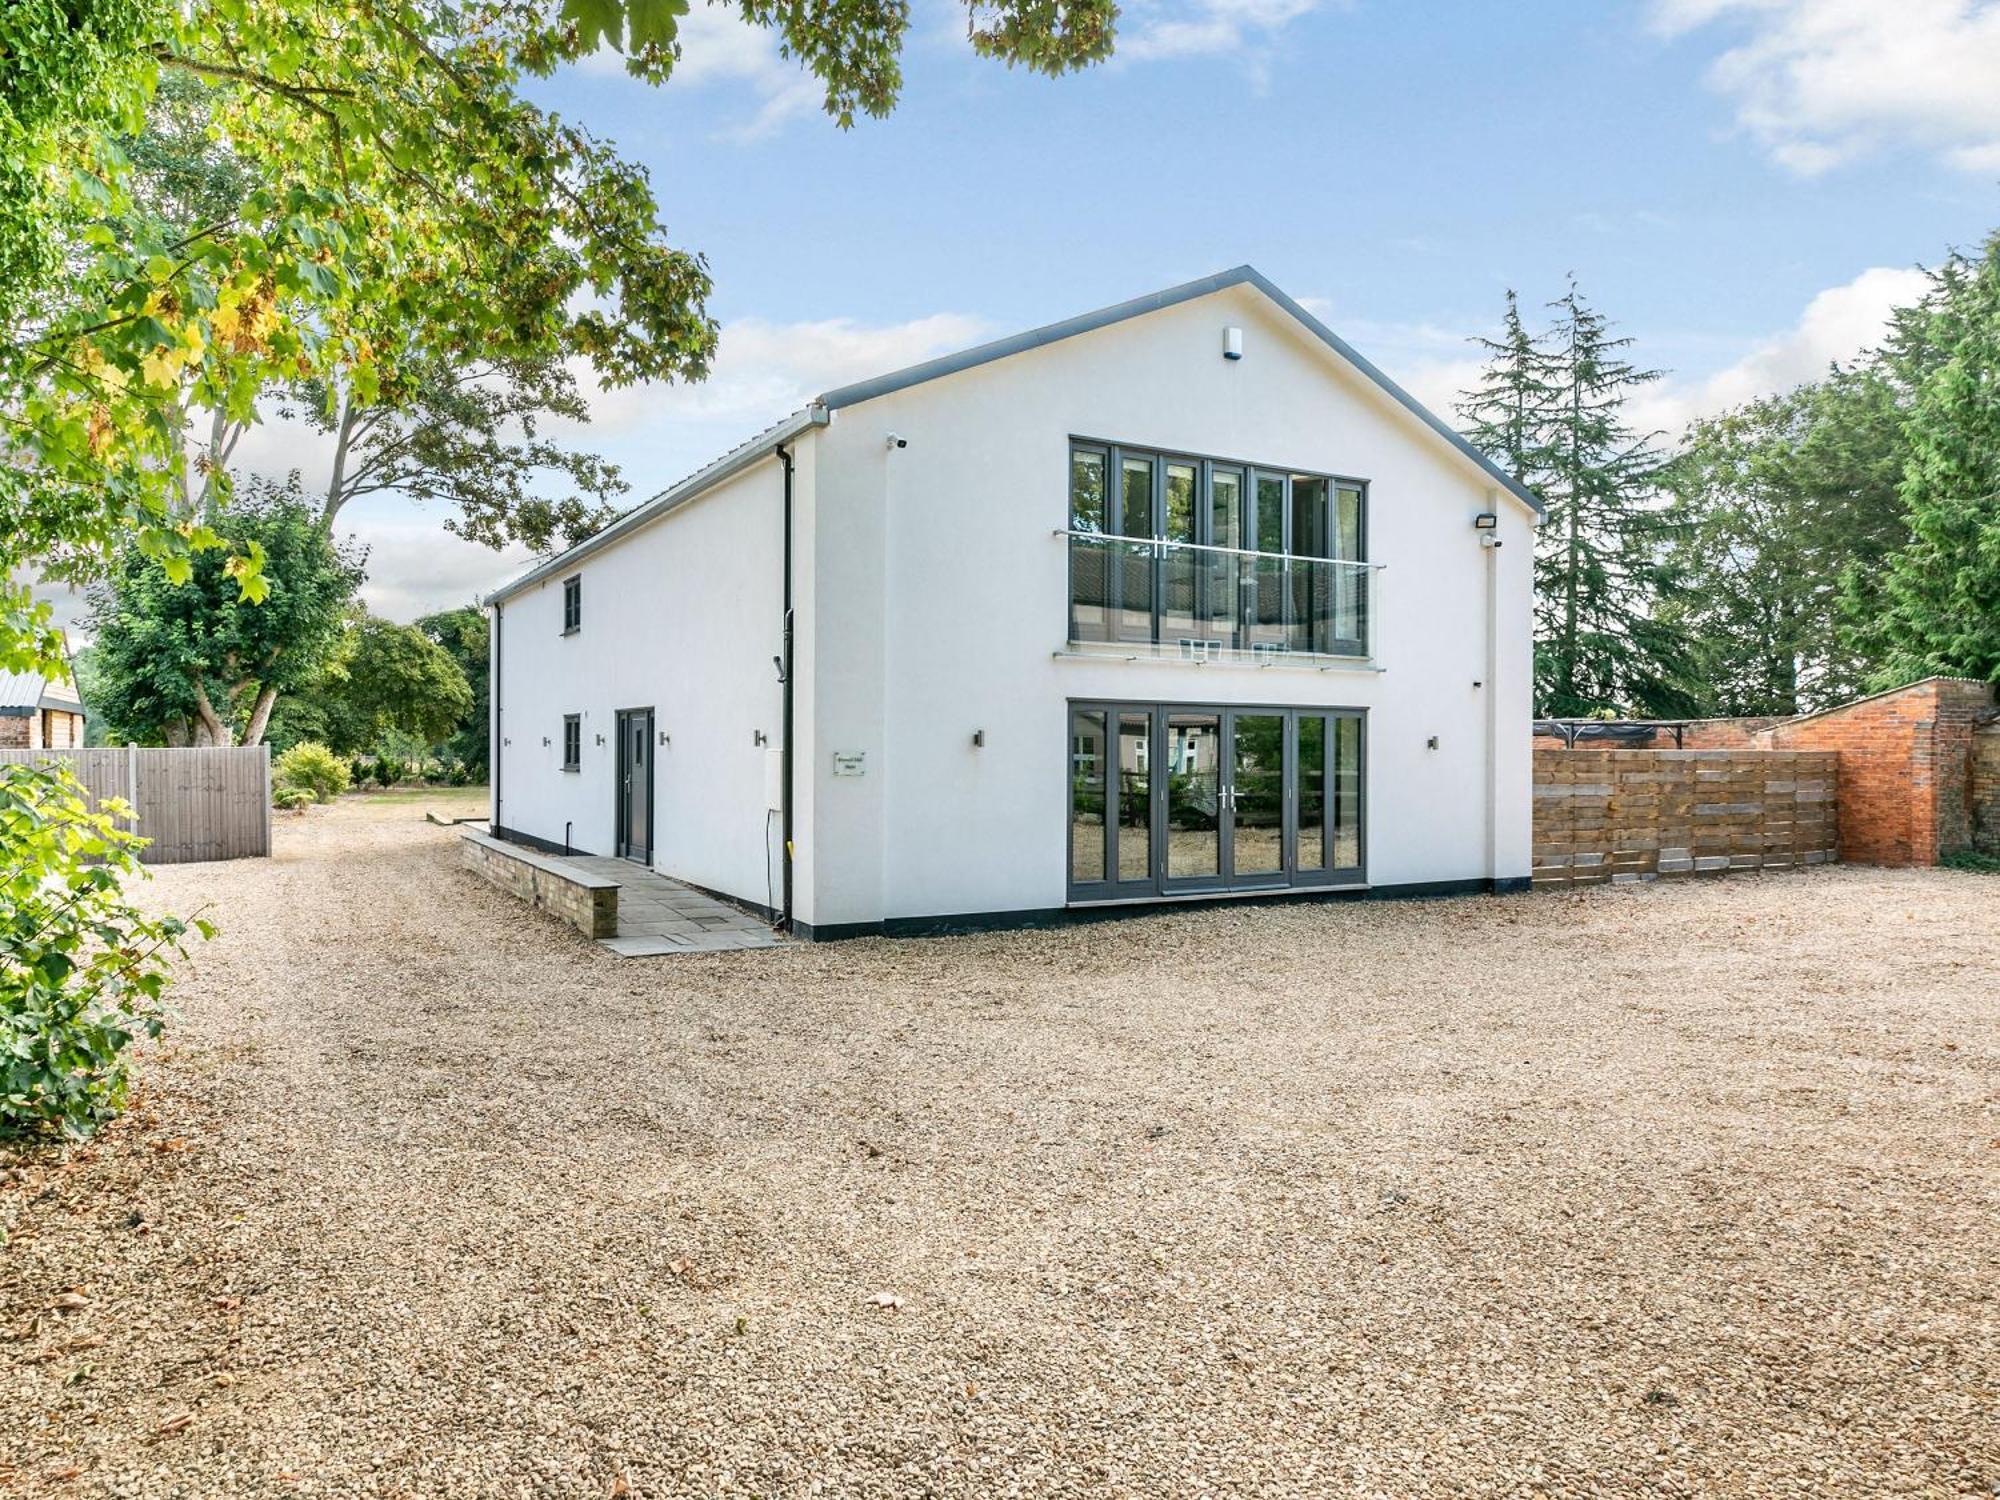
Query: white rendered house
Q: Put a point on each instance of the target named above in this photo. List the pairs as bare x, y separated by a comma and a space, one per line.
1182, 599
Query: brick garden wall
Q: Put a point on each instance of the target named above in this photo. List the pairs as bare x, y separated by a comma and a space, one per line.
585, 902
1905, 791
1619, 815
17, 732
1985, 790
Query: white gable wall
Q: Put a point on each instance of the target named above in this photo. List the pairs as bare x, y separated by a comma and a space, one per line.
941, 598
682, 617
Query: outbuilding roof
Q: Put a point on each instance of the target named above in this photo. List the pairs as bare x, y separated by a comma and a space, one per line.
816, 413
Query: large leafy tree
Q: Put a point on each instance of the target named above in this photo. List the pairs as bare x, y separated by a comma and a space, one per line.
1938, 606
1783, 506
465, 634
194, 661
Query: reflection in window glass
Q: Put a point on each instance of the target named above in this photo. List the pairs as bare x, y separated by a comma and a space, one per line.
1312, 792
1088, 766
1225, 524
1308, 517
1135, 797
1086, 490
1270, 532
1346, 793
1182, 483
1194, 795
1347, 524
1135, 498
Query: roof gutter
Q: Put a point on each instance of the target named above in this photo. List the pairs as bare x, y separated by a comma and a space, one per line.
732, 463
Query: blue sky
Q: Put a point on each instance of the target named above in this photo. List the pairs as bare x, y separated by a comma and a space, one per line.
1744, 185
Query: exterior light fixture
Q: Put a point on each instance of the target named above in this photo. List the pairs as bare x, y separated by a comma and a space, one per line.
1485, 521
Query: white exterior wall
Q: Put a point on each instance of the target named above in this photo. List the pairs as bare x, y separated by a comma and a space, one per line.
682, 616
940, 602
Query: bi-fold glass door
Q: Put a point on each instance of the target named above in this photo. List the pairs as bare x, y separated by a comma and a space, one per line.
1169, 799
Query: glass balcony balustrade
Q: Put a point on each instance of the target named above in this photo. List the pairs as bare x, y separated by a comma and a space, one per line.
1211, 600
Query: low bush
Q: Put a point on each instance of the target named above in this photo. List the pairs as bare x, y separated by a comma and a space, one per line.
292, 798
458, 774
82, 971
313, 767
1973, 860
389, 770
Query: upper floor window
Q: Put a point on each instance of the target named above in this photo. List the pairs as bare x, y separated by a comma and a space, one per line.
572, 742
572, 604
1215, 553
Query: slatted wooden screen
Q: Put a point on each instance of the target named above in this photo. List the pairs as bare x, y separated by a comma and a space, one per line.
194, 804
1617, 815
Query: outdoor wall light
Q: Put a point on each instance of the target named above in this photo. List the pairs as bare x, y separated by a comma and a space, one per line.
1485, 521
546, 742
665, 738
600, 739
758, 737
979, 737
1431, 743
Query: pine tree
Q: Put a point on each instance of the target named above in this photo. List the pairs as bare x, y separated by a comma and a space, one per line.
1549, 410
1508, 415
1600, 641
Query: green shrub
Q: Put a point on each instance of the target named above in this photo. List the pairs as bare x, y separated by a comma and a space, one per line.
292, 798
389, 770
82, 971
457, 774
310, 765
1973, 860
358, 769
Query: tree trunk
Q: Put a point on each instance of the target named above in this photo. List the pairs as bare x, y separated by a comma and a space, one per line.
213, 731
260, 715
343, 435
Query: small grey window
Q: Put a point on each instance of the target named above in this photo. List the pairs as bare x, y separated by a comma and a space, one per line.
572, 742
572, 604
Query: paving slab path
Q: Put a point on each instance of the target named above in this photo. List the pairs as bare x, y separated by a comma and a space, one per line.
1668, 1191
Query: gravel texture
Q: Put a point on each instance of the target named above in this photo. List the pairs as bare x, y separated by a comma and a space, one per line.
1669, 1190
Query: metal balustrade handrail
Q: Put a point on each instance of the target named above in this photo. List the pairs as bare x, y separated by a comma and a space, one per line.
1157, 541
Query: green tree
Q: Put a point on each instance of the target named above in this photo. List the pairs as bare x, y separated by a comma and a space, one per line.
1938, 610
1550, 409
1783, 507
194, 661
1509, 415
466, 634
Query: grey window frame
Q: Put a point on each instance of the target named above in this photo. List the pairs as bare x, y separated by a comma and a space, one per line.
1114, 454
572, 742
572, 604
1160, 885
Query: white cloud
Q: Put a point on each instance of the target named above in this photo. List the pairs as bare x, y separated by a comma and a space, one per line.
720, 49
1820, 82
416, 567
1206, 28
1837, 325
764, 369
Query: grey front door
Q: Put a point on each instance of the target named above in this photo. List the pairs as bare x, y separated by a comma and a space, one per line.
635, 784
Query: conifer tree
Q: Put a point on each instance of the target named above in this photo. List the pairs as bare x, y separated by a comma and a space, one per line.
1508, 415
1600, 641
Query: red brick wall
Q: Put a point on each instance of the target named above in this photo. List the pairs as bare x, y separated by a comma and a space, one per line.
17, 731
1985, 798
1905, 789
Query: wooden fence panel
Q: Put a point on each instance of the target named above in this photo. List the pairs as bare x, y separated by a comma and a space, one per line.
1620, 815
193, 804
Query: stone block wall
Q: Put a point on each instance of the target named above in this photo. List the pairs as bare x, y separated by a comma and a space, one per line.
17, 732
586, 902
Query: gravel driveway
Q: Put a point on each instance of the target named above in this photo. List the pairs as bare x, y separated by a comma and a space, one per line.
1676, 1190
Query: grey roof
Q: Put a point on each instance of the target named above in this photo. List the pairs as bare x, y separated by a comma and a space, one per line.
30, 690
815, 414
730, 464
1035, 338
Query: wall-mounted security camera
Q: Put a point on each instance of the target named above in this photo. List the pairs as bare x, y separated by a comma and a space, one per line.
897, 440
